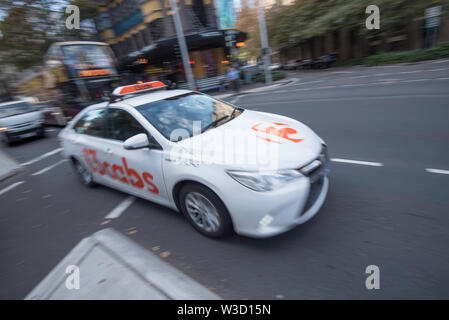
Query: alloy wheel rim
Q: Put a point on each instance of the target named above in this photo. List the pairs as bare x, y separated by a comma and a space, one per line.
202, 212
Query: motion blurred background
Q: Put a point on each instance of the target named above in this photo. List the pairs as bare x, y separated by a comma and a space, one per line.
143, 46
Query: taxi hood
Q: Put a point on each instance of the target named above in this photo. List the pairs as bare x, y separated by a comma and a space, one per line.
256, 141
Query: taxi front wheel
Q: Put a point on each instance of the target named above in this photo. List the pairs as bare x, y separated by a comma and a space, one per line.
83, 173
205, 211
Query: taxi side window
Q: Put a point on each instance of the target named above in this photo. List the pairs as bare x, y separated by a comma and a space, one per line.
92, 123
122, 125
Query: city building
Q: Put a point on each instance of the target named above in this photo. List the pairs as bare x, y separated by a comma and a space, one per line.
142, 35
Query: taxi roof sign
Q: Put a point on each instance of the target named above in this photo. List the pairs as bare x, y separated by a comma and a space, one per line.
137, 88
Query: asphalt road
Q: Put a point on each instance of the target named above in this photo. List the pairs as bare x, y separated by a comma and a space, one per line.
388, 210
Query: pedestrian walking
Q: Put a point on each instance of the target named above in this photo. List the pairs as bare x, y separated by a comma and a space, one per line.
234, 78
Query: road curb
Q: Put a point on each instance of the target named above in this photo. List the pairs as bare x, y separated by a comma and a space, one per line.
157, 279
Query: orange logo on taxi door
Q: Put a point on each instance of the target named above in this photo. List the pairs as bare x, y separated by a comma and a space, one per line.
122, 173
282, 131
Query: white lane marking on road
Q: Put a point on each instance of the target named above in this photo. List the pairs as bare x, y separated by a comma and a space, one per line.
440, 61
421, 96
437, 171
417, 80
439, 69
49, 167
359, 77
383, 74
234, 101
342, 72
377, 83
122, 206
45, 155
388, 80
11, 187
409, 72
388, 66
365, 163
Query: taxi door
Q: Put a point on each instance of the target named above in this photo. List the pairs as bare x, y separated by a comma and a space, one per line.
86, 140
138, 172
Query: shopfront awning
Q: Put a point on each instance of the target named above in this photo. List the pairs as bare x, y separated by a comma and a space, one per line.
164, 49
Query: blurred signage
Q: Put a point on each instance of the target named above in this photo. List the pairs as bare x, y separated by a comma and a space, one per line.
140, 61
432, 16
95, 72
155, 70
225, 14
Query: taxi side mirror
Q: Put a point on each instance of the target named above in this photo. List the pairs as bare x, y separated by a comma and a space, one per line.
139, 141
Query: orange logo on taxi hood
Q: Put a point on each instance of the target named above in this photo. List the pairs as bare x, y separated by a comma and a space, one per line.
283, 132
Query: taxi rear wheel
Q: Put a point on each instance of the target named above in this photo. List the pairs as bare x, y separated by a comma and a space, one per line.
83, 173
205, 211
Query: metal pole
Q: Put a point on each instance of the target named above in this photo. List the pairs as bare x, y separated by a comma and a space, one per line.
264, 40
182, 45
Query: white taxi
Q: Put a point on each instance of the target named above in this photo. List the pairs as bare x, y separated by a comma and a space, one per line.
172, 147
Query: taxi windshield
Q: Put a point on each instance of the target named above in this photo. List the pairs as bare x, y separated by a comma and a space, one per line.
16, 109
186, 111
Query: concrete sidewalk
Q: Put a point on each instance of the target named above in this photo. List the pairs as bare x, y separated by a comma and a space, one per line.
111, 266
8, 166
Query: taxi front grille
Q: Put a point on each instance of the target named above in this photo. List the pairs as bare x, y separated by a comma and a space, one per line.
313, 171
314, 168
315, 190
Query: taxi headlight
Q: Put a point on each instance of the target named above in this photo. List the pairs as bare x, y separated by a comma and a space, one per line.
264, 181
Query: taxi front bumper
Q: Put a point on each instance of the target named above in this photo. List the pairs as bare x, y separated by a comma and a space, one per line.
266, 214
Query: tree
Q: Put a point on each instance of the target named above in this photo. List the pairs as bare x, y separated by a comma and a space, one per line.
31, 26
304, 19
247, 22
24, 32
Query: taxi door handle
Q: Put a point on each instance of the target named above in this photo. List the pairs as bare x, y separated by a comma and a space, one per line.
109, 151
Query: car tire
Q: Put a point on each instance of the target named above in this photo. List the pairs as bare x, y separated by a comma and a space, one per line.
6, 141
84, 174
210, 217
42, 132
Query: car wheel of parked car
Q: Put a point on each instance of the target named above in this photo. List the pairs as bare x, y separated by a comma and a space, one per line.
205, 211
5, 140
42, 132
84, 174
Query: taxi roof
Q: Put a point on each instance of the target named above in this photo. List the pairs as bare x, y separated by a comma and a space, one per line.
143, 98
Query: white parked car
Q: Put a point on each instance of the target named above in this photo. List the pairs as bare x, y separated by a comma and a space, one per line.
20, 120
171, 147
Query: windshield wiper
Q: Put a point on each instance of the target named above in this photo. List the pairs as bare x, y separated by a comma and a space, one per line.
214, 123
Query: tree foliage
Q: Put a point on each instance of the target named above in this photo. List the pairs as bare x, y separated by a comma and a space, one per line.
24, 32
305, 19
247, 21
29, 27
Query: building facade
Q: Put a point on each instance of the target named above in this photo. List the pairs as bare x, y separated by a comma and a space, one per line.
142, 35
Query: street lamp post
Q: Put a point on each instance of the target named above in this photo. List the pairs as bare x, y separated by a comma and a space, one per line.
182, 45
264, 40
